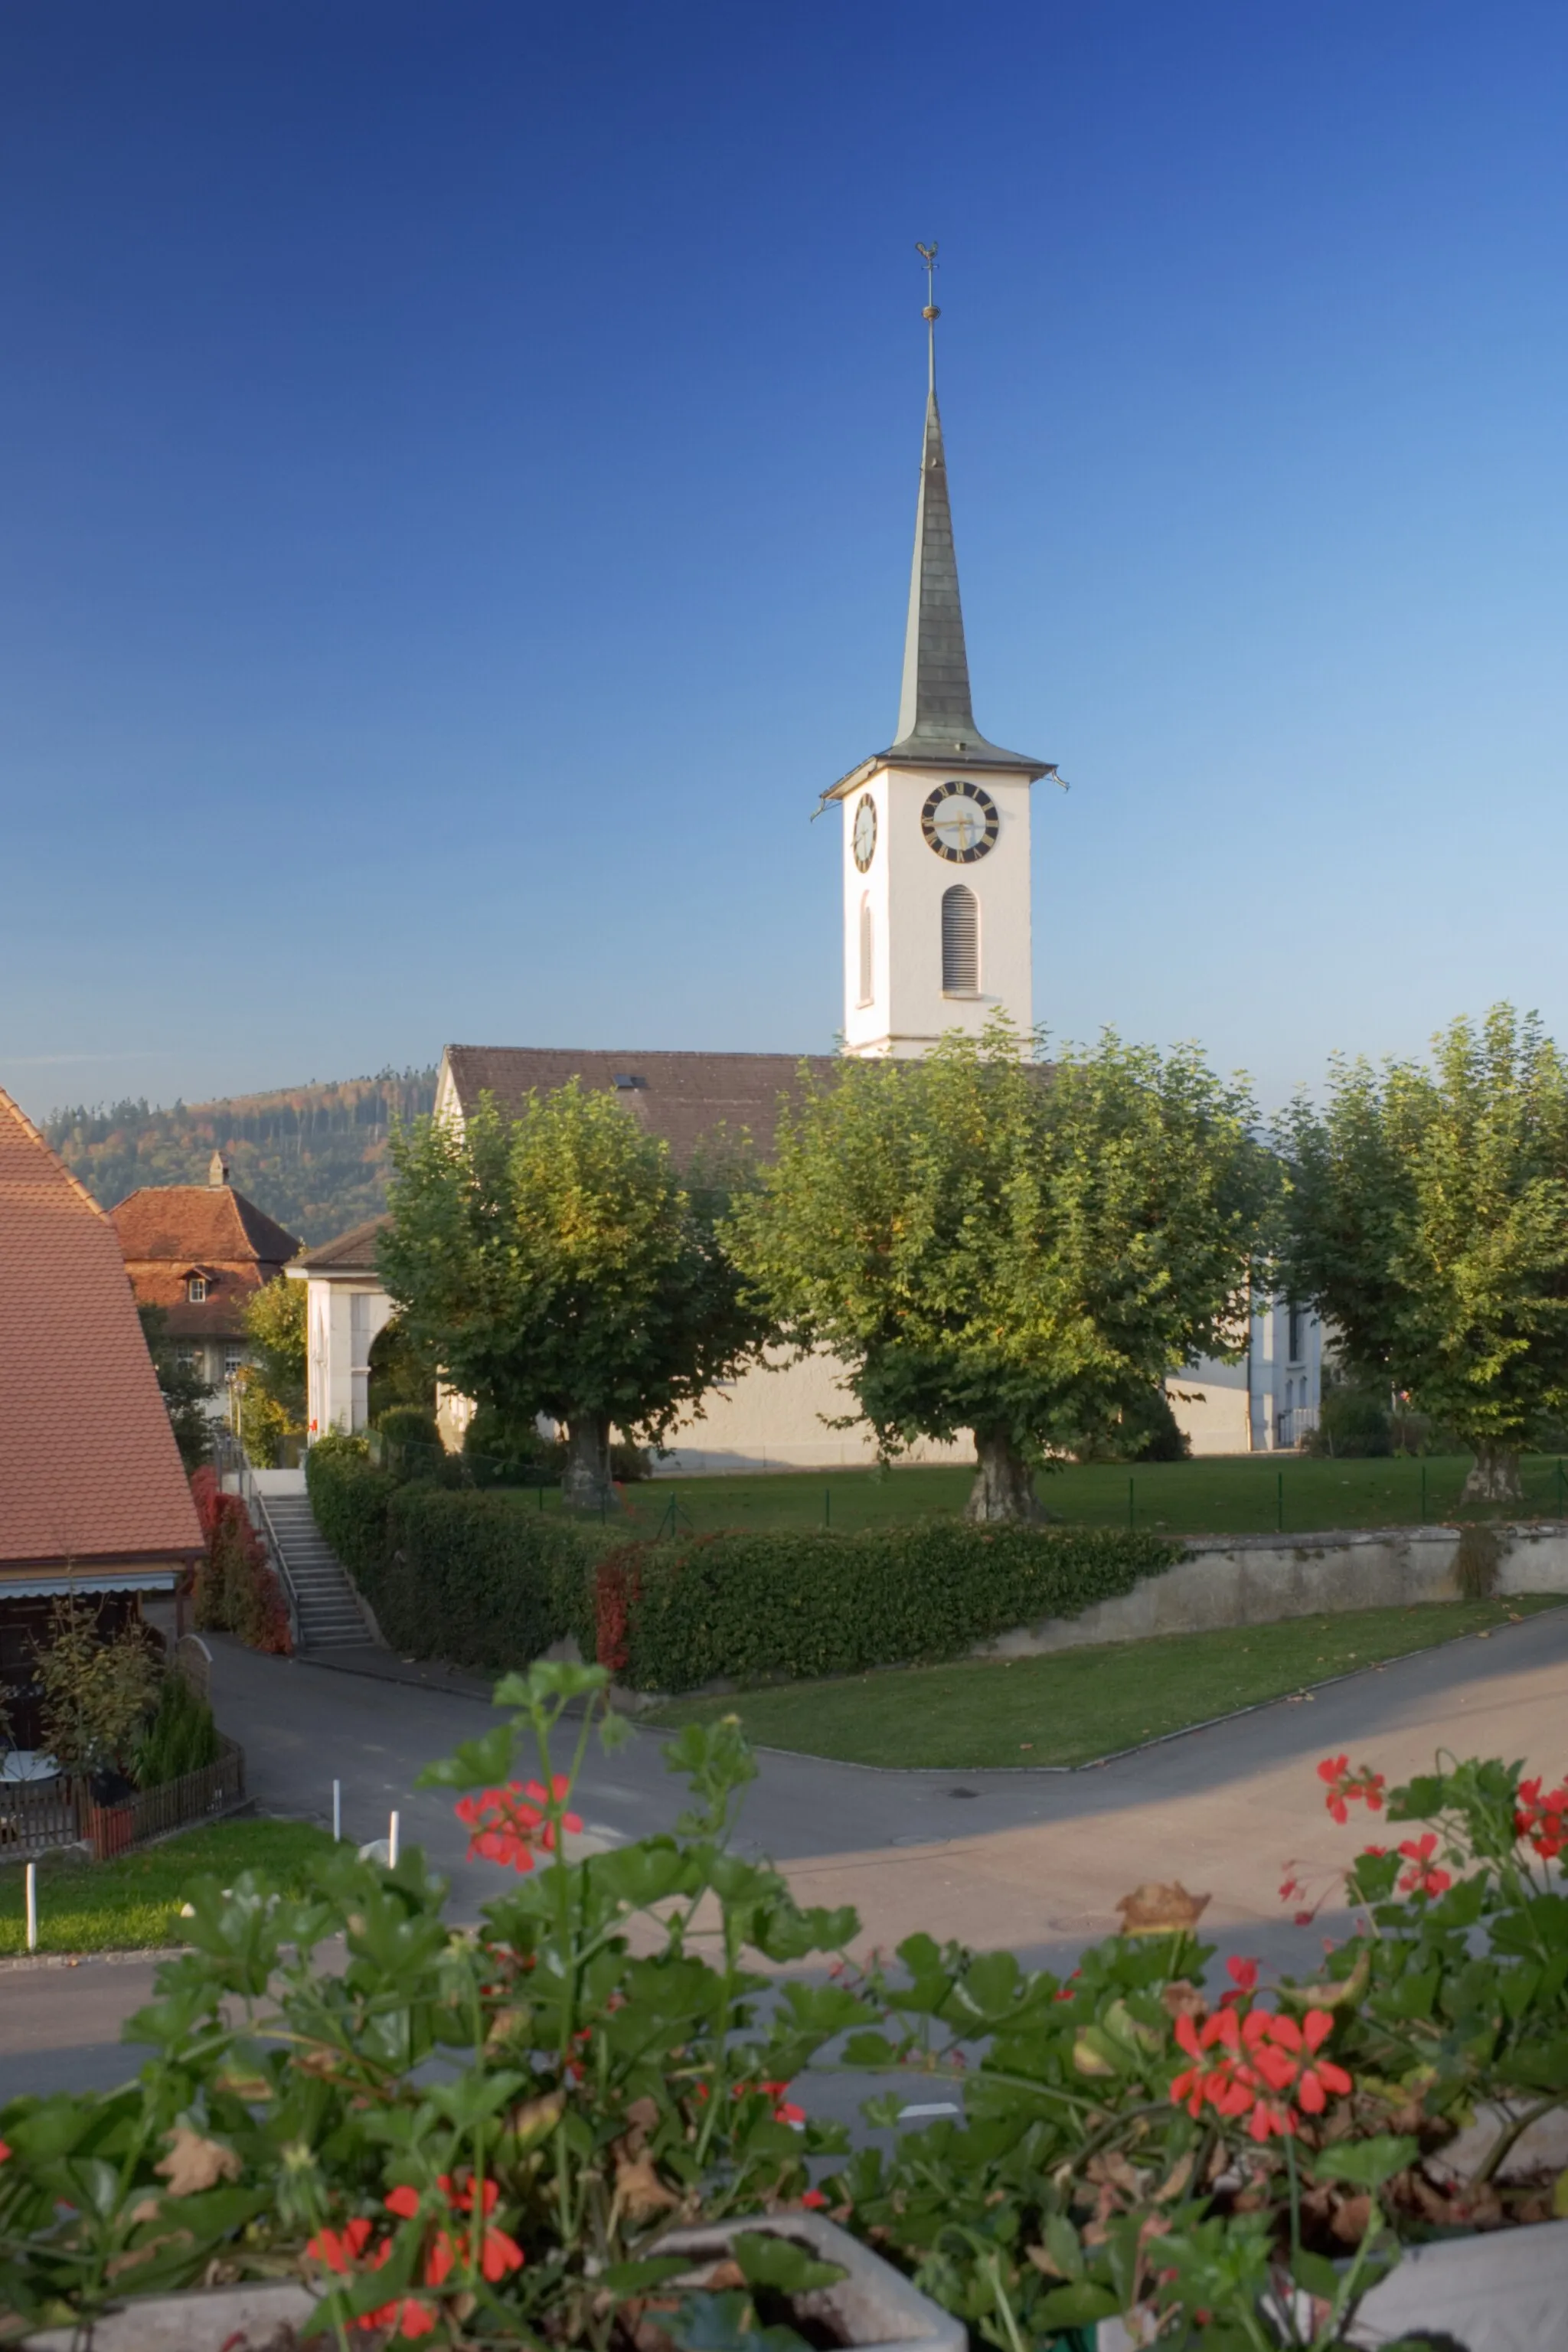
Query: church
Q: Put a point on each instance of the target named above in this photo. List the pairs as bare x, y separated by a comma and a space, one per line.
936, 871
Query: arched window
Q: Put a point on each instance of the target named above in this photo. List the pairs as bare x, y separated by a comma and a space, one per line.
960, 942
868, 969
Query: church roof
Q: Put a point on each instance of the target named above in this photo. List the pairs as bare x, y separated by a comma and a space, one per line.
936, 712
89, 1473
681, 1096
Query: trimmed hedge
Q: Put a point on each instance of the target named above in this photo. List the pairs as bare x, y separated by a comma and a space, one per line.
754, 1607
477, 1578
482, 1578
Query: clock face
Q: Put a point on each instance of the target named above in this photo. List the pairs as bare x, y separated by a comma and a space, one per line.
960, 822
865, 834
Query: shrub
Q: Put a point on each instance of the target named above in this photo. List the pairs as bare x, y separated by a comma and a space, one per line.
480, 1578
1352, 1422
238, 1590
95, 1693
181, 1736
755, 1606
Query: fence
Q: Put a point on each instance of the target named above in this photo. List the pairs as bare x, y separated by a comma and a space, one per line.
41, 1816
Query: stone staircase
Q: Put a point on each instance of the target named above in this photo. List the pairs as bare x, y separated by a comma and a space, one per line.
330, 1615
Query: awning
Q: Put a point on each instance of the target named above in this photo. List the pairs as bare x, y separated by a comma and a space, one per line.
42, 1588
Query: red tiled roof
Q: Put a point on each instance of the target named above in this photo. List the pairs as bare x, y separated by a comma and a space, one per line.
199, 1224
88, 1467
350, 1252
219, 1315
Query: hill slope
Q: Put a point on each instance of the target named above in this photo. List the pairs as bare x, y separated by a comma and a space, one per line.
313, 1156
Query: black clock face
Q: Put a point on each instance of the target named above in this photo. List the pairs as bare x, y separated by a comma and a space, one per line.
864, 836
960, 822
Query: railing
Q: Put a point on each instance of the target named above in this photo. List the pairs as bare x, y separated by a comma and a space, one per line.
42, 1816
231, 1460
1294, 1423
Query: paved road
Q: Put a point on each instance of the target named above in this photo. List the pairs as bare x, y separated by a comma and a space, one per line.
1034, 1860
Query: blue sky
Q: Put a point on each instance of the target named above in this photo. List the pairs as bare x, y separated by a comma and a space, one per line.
459, 466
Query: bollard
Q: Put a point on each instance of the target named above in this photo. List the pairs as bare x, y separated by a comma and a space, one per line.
337, 1812
392, 1827
32, 1906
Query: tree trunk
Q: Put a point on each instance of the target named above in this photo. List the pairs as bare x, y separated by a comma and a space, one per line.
585, 1482
1003, 1484
1494, 1476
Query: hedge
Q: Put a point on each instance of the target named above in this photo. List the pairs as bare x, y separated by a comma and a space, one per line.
475, 1578
755, 1606
481, 1578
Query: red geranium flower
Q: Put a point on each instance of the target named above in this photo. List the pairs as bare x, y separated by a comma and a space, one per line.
1347, 1788
1421, 1878
506, 1825
1542, 1820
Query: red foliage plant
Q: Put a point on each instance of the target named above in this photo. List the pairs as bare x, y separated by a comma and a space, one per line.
237, 1589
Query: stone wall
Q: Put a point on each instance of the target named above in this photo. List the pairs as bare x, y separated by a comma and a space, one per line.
1257, 1579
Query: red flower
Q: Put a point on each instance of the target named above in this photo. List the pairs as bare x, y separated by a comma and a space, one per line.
1542, 1820
505, 1825
1421, 1878
1347, 1788
1243, 1975
5, 2153
1263, 2057
814, 2198
1322, 2077
339, 2248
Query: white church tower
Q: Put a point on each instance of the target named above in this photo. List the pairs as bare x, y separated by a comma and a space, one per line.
936, 828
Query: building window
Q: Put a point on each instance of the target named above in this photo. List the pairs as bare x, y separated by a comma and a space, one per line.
233, 1360
960, 942
195, 1288
867, 944
1298, 1335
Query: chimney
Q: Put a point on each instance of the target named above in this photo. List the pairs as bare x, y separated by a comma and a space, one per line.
218, 1171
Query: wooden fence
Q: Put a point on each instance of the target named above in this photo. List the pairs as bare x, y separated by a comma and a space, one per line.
39, 1816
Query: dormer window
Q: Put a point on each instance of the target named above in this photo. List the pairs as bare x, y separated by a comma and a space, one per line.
197, 1288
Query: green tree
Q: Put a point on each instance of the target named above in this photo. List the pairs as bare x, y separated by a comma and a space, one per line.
95, 1693
183, 1391
272, 1386
559, 1266
1023, 1253
1429, 1222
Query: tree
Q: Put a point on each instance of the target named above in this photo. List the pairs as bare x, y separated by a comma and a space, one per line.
987, 1244
95, 1693
559, 1266
272, 1387
1430, 1220
183, 1391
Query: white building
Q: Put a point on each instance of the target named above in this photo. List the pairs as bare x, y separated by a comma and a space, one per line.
936, 938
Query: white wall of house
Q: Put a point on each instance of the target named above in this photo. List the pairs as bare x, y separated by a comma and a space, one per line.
1266, 1402
344, 1315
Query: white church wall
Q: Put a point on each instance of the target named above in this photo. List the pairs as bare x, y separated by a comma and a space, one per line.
775, 1418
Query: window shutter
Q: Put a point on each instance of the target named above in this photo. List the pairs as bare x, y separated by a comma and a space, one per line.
960, 942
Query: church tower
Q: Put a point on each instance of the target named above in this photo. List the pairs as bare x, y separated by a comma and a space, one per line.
936, 828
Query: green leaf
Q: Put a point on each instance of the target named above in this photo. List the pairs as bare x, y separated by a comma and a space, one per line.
1317, 2273
1077, 2304
1365, 2163
1063, 2246
767, 2260
477, 1763
642, 2278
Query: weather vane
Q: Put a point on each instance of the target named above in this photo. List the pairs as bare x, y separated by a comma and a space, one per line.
931, 314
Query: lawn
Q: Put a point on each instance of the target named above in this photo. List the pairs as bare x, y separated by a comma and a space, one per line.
129, 1904
1077, 1704
1217, 1495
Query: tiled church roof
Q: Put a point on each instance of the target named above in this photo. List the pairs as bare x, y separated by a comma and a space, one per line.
88, 1468
680, 1097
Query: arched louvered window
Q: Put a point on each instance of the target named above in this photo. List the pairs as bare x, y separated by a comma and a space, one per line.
960, 942
868, 967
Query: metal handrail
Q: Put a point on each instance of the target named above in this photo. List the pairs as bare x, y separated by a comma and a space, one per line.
231, 1457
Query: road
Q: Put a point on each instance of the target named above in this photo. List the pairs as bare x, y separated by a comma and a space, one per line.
1034, 1860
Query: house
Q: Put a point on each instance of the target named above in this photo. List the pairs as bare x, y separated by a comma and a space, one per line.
201, 1251
935, 884
93, 1499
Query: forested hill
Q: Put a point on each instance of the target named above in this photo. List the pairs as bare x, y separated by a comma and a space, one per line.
313, 1156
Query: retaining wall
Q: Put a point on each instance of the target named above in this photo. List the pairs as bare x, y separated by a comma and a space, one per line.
1257, 1579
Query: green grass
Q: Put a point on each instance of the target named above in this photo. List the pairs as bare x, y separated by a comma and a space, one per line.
134, 1903
1081, 1703
1217, 1495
